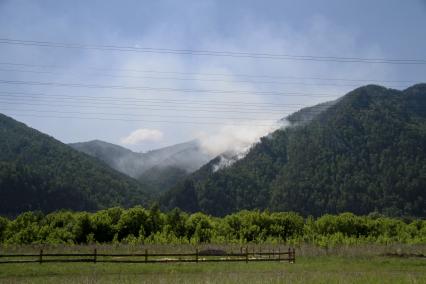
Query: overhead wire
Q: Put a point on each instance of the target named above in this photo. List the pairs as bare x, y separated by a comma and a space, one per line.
188, 79
145, 100
209, 74
146, 120
162, 89
234, 54
142, 107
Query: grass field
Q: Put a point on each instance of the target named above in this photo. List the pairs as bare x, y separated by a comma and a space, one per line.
331, 269
355, 265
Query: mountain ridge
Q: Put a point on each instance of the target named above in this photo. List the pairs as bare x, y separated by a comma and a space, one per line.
364, 152
38, 172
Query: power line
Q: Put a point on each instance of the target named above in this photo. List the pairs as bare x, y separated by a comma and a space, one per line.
252, 55
145, 120
133, 100
315, 109
143, 107
197, 106
138, 115
149, 88
212, 74
191, 79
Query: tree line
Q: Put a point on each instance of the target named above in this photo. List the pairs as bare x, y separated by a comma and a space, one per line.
139, 225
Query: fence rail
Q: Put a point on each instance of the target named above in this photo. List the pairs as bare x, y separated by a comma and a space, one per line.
198, 256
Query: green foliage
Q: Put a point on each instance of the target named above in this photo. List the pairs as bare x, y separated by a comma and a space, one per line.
38, 172
138, 225
24, 229
133, 222
199, 228
363, 153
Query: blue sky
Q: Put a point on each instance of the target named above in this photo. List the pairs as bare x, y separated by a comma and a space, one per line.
366, 29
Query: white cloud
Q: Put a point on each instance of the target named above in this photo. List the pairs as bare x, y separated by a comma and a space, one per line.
141, 135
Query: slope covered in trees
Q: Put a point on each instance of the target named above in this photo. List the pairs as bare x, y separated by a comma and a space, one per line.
38, 172
365, 152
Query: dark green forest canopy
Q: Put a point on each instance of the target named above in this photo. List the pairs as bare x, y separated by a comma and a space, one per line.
38, 172
365, 152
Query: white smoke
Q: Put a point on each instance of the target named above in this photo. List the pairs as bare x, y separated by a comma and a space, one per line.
232, 142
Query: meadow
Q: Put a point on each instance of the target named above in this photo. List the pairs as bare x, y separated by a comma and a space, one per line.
397, 263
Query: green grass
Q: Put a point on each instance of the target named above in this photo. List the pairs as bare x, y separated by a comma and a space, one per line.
308, 269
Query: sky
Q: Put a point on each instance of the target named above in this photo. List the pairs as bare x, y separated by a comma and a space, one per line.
144, 93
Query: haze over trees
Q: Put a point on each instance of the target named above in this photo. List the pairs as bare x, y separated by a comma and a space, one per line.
160, 169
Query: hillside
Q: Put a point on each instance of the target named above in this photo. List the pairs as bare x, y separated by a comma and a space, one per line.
38, 172
365, 152
159, 169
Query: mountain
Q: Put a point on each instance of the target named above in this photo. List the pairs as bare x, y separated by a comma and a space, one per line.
38, 172
159, 169
365, 152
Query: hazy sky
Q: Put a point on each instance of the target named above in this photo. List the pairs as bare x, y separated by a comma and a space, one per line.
146, 100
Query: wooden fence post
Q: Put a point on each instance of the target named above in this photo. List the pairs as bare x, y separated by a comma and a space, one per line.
279, 254
94, 255
289, 255
196, 255
40, 258
294, 255
246, 254
146, 255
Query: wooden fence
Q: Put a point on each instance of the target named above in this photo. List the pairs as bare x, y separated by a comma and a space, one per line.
198, 256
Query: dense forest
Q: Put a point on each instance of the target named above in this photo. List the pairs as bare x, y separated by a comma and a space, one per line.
38, 172
365, 152
138, 225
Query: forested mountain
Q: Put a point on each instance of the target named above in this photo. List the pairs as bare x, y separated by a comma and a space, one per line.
365, 152
160, 169
38, 172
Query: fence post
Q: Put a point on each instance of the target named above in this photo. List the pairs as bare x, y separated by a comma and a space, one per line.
279, 254
196, 255
289, 255
94, 255
40, 258
146, 255
246, 254
294, 255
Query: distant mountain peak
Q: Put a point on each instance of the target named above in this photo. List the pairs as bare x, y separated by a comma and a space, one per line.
151, 167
